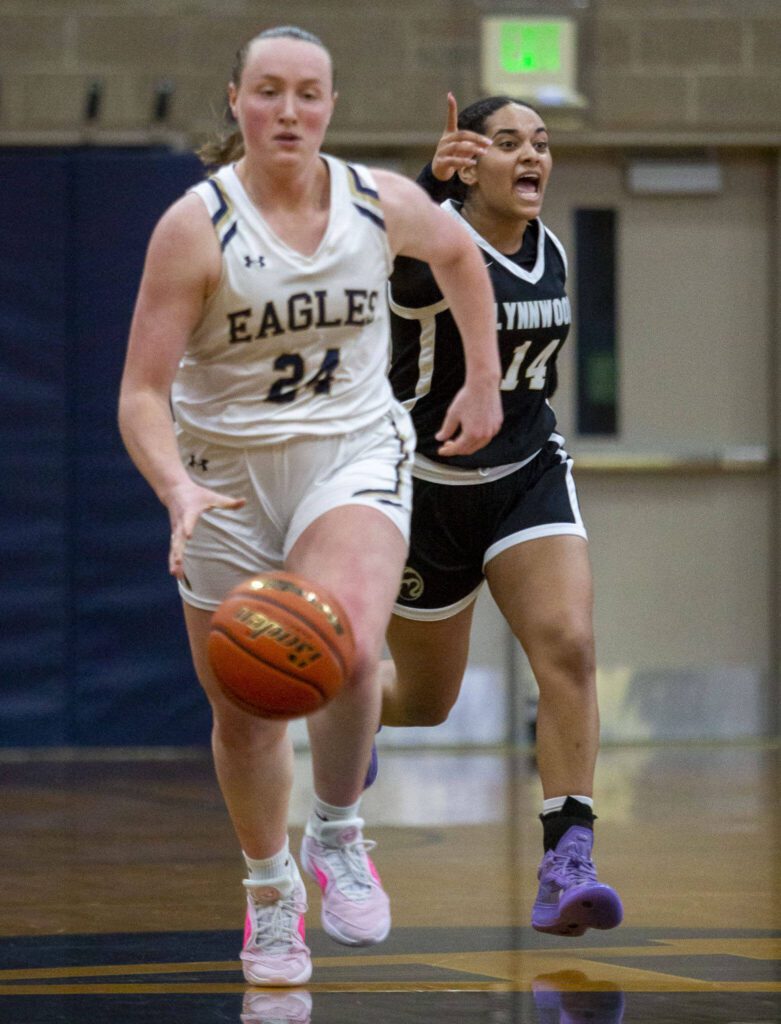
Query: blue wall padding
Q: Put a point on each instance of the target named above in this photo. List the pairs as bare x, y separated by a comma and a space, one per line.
93, 650
33, 429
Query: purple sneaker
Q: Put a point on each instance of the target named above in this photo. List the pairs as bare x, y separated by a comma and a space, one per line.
355, 909
570, 899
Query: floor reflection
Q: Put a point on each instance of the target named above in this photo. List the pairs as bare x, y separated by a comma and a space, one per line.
544, 1006
119, 899
288, 1007
557, 999
570, 997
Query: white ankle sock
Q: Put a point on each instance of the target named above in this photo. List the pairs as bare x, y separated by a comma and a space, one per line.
323, 812
270, 869
555, 803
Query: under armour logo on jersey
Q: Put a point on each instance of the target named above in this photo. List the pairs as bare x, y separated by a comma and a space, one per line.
200, 463
259, 261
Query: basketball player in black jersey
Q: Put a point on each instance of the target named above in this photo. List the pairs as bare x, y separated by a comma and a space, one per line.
507, 513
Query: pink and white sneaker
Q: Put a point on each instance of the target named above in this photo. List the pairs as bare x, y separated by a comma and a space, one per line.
355, 907
274, 950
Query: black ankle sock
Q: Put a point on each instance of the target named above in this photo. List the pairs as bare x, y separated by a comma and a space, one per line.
555, 824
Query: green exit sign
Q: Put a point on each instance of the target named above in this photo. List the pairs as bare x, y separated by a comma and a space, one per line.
529, 48
531, 58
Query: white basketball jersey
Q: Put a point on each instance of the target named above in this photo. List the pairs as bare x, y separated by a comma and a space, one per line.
290, 344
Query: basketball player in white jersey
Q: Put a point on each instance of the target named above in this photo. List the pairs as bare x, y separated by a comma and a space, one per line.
261, 320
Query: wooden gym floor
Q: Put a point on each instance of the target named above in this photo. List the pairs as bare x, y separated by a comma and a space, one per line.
120, 898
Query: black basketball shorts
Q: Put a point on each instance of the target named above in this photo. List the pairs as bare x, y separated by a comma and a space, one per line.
457, 529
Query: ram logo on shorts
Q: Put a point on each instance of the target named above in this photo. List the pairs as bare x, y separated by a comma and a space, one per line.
411, 584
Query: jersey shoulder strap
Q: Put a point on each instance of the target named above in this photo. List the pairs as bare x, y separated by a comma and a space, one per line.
220, 208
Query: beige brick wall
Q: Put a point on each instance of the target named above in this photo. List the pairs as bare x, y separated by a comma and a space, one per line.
674, 65
701, 65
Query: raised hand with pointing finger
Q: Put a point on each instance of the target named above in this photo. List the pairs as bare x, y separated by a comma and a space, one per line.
457, 147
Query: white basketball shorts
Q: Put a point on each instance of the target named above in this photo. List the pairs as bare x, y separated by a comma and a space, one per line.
286, 486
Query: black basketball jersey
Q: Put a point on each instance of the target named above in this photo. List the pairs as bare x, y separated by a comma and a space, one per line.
533, 317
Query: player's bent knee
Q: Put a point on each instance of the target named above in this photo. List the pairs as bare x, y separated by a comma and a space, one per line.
364, 669
411, 712
568, 651
576, 662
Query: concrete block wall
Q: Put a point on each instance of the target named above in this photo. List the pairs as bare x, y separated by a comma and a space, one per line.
674, 65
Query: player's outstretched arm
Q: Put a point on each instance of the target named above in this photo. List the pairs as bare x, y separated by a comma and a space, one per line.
420, 229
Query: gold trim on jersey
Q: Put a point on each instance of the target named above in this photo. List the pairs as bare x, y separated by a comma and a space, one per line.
421, 313
224, 217
406, 440
365, 198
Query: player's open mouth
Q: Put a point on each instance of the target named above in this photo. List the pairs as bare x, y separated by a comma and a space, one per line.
528, 186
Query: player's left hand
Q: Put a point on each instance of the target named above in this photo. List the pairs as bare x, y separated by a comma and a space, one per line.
472, 419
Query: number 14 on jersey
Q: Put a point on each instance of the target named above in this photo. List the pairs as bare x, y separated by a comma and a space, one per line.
536, 371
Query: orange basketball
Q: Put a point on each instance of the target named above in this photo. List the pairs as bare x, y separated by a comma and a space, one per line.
280, 646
